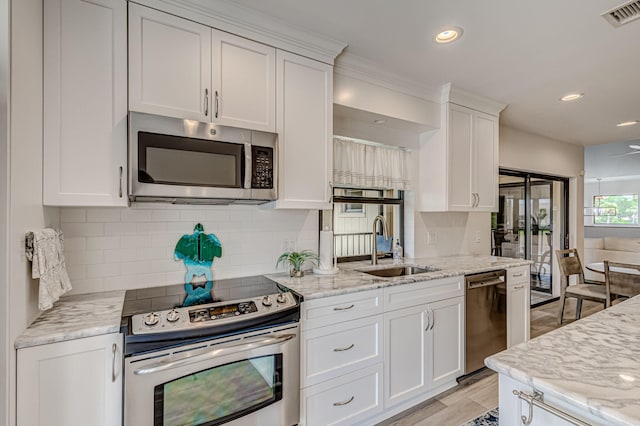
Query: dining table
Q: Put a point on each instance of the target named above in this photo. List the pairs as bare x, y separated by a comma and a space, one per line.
599, 268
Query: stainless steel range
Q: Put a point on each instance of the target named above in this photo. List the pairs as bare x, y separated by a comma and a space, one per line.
206, 362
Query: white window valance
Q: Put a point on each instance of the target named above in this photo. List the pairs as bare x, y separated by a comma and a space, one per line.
364, 165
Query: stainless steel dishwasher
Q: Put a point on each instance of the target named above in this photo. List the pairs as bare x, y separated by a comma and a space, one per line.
486, 317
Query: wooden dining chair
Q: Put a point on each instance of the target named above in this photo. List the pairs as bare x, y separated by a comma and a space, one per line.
569, 263
620, 282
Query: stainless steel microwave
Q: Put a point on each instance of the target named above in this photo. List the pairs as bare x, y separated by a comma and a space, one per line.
190, 162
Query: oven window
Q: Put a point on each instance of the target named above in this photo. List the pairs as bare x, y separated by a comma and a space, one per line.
173, 160
219, 394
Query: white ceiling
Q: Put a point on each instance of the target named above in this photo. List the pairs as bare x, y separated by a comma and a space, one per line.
525, 54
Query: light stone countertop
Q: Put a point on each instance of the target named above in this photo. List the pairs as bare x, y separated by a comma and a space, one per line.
592, 364
74, 317
349, 279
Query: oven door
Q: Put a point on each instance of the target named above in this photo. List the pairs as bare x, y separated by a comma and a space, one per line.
243, 380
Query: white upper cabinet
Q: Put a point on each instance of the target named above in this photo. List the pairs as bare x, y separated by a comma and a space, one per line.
169, 65
473, 160
305, 128
179, 68
85, 103
459, 162
244, 82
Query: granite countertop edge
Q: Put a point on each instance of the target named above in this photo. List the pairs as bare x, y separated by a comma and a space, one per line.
74, 317
515, 362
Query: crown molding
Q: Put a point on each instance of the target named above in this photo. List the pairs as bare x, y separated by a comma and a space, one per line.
471, 100
252, 24
354, 66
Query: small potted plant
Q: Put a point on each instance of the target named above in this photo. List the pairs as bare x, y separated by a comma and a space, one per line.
295, 259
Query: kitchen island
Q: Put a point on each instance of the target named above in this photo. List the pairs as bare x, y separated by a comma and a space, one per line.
589, 369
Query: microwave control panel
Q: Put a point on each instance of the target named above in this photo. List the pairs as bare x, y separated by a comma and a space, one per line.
262, 167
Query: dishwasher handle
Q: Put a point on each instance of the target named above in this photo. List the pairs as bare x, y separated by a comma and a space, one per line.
484, 283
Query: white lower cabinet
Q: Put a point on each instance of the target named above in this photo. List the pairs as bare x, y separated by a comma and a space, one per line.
343, 401
424, 348
77, 382
368, 355
518, 305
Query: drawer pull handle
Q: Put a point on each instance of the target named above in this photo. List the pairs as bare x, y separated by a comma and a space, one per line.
348, 401
344, 349
518, 275
518, 286
343, 309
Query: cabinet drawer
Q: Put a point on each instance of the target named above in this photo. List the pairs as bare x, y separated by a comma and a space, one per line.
518, 275
332, 310
403, 296
331, 351
344, 401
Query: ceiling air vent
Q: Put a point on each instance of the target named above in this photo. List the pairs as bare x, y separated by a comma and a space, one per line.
623, 14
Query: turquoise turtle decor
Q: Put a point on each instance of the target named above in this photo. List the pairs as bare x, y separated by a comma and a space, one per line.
197, 251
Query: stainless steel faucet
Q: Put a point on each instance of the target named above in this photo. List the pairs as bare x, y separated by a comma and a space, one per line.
385, 233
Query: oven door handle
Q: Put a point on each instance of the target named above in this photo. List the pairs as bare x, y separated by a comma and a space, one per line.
165, 365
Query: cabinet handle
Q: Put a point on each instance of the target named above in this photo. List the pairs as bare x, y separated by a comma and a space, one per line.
344, 349
428, 320
519, 275
433, 319
518, 286
120, 190
114, 349
478, 199
216, 110
337, 404
206, 102
344, 309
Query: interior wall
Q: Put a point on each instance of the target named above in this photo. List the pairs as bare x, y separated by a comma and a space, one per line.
25, 170
527, 152
126, 248
5, 346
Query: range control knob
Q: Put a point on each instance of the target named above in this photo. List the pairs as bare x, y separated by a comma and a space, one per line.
173, 315
151, 318
266, 301
282, 298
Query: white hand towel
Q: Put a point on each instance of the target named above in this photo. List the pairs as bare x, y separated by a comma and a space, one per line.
48, 265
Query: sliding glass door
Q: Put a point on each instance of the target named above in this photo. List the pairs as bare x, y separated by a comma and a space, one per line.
531, 224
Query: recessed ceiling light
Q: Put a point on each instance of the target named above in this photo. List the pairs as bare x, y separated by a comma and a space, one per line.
627, 123
379, 121
448, 35
571, 97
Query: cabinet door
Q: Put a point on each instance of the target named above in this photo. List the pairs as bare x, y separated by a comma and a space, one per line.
305, 126
446, 342
460, 158
85, 103
244, 81
405, 355
486, 162
169, 65
78, 382
517, 314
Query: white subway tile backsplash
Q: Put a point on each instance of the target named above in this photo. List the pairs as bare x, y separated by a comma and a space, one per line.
103, 215
73, 215
103, 243
79, 229
109, 249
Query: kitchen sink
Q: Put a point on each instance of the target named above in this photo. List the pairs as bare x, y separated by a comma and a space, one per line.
398, 271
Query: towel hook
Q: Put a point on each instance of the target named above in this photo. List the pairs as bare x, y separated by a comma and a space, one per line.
28, 246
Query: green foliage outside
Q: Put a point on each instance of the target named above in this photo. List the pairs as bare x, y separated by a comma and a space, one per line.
626, 206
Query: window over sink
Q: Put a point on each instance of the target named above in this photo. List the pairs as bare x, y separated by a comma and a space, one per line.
354, 210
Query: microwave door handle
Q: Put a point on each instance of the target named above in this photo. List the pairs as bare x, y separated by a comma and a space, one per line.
227, 350
248, 169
